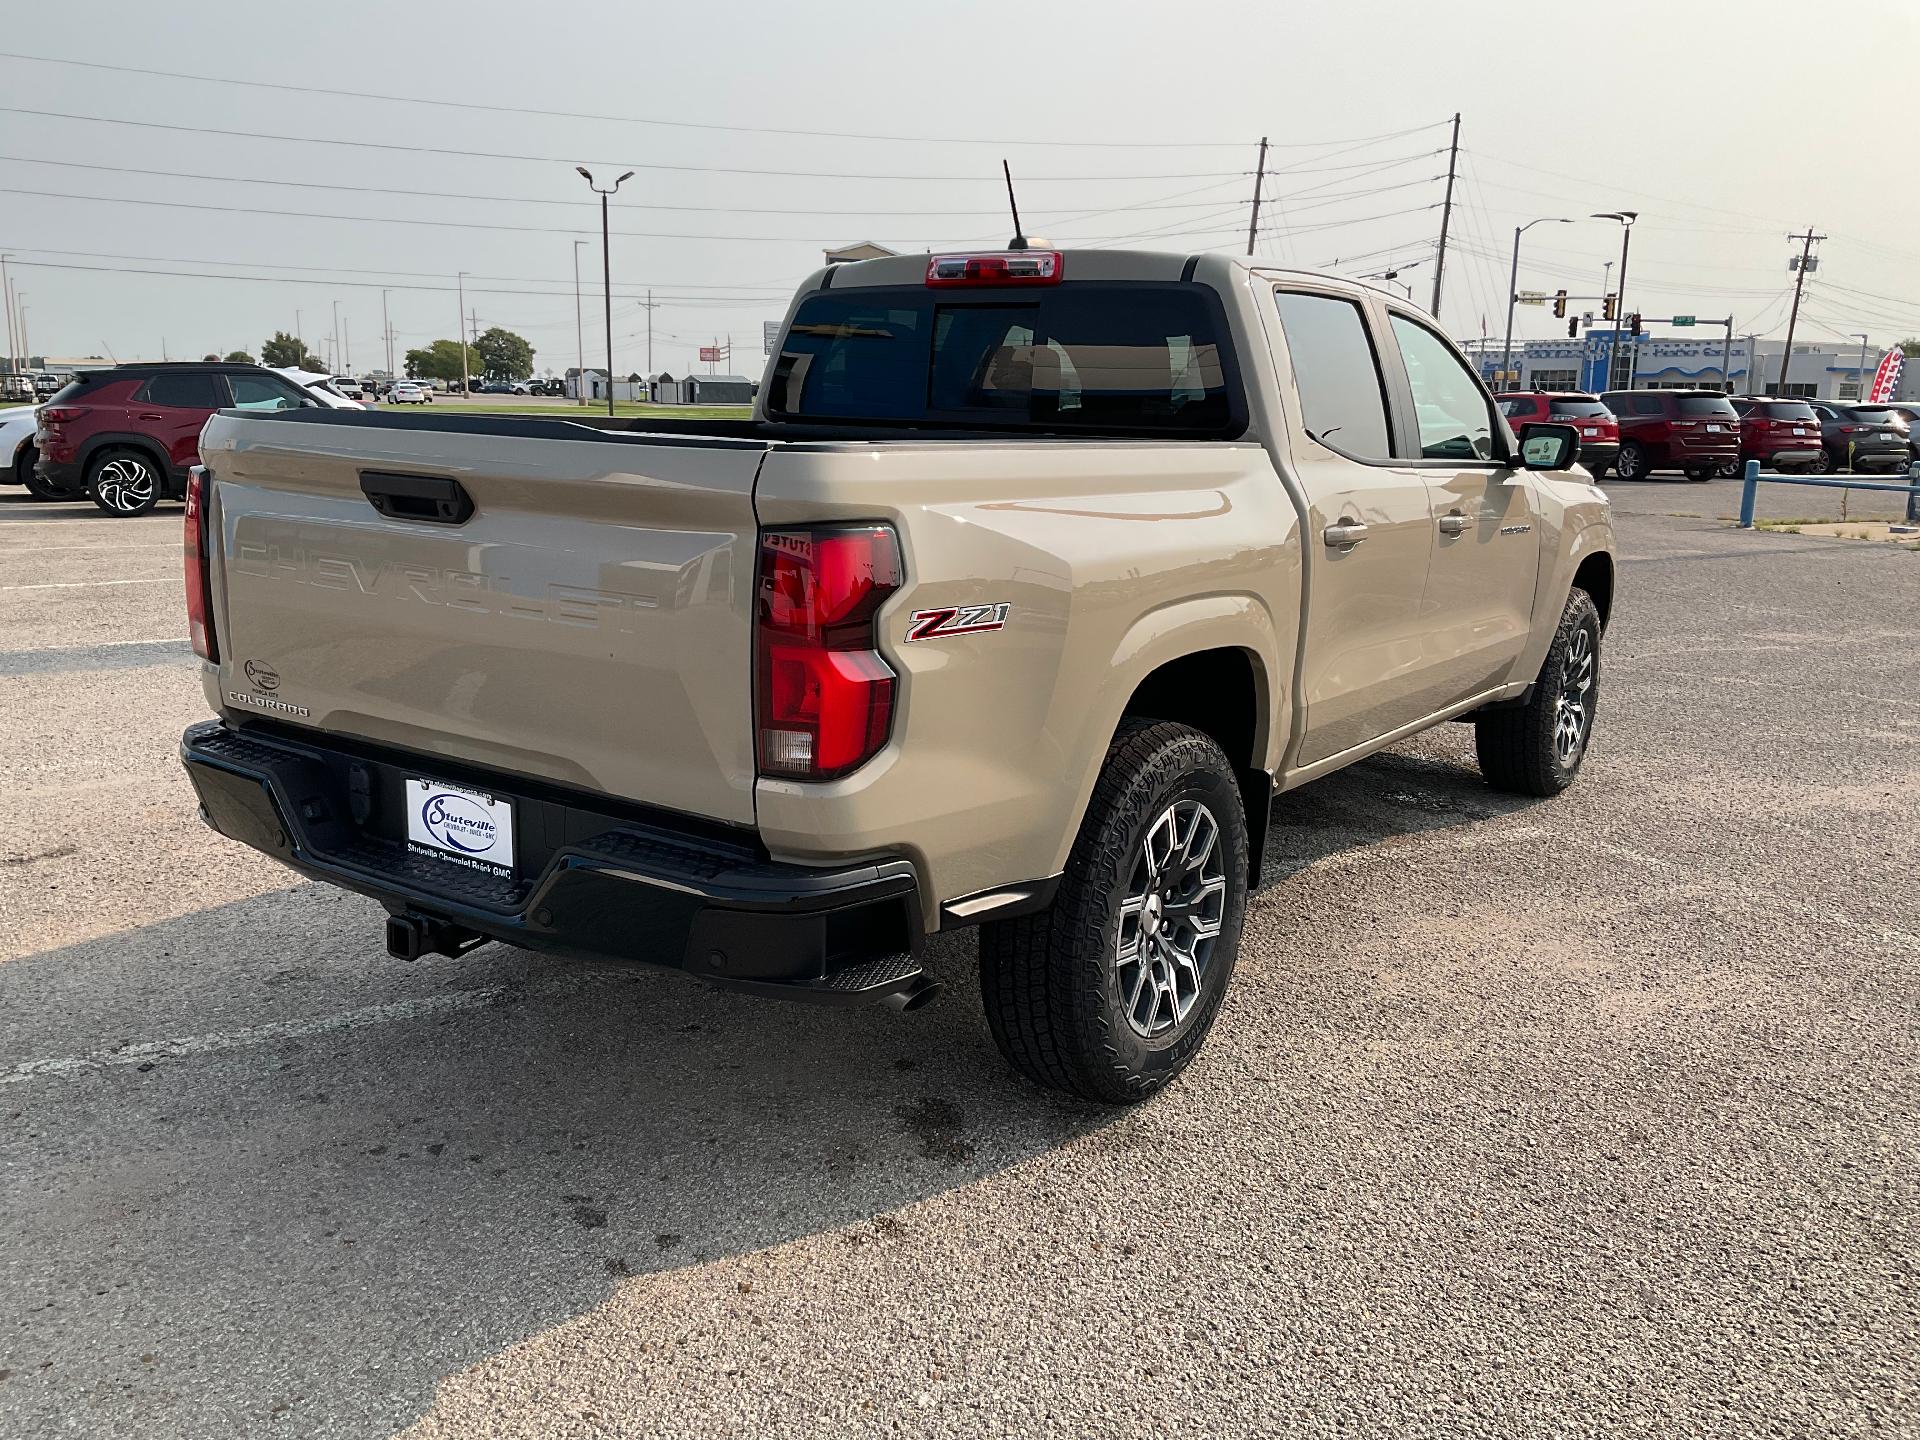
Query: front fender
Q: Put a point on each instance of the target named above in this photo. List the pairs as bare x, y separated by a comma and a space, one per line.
1577, 524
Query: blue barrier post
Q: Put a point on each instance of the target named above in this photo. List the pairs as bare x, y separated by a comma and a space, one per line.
1748, 491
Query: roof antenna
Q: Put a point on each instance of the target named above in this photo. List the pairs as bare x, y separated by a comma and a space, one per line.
1019, 241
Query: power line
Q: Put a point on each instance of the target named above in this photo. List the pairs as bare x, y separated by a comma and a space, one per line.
203, 79
578, 160
518, 199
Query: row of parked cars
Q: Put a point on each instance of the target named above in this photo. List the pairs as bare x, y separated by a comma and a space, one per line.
1703, 433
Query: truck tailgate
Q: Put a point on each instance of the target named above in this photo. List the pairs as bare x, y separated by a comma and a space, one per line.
590, 622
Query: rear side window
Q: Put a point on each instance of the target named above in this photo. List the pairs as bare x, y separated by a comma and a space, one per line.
1342, 401
1115, 359
1695, 406
197, 391
1577, 409
1648, 405
1449, 405
262, 392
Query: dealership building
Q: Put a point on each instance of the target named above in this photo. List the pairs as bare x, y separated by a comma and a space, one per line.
1816, 371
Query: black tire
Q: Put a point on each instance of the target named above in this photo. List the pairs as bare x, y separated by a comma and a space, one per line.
124, 482
1822, 464
43, 489
1731, 469
1631, 462
1057, 985
1522, 750
1599, 472
1700, 474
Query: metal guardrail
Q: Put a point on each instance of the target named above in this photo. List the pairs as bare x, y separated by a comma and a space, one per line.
1750, 489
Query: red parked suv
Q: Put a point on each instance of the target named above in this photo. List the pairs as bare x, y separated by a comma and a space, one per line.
127, 436
1780, 434
1697, 431
1599, 431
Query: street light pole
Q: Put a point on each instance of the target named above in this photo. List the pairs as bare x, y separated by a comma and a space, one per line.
460, 330
1861, 374
335, 360
1626, 219
606, 266
579, 335
1513, 282
386, 330
6, 293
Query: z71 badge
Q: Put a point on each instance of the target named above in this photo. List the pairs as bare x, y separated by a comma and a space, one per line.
956, 620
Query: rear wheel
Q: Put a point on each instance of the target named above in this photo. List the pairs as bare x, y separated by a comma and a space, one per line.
124, 483
1632, 463
1700, 473
1537, 748
1110, 991
1822, 464
1731, 469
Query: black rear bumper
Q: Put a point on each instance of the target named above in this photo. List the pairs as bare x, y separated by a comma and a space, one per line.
592, 883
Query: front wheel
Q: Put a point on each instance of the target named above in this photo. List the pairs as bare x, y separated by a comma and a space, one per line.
1110, 991
1537, 748
1632, 462
1699, 474
1731, 469
124, 482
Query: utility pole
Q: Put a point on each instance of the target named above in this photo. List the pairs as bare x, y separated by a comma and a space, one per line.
460, 331
6, 293
386, 330
1259, 174
333, 358
346, 347
1726, 358
649, 307
579, 334
1799, 283
1446, 216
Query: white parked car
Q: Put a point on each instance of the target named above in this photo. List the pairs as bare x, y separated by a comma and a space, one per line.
320, 387
17, 452
406, 392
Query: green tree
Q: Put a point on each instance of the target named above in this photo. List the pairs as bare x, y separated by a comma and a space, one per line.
1910, 347
287, 352
239, 357
440, 361
214, 358
504, 355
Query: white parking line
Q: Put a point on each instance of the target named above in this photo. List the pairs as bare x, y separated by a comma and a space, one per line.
181, 1047
93, 584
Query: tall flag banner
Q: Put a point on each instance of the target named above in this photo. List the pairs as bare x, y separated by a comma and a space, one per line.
1886, 380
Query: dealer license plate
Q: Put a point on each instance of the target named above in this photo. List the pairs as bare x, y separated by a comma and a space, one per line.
466, 827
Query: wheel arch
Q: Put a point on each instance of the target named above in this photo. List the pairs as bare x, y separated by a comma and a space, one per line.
1594, 575
91, 447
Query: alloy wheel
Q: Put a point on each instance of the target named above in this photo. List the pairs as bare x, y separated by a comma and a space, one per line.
124, 484
1170, 917
1575, 711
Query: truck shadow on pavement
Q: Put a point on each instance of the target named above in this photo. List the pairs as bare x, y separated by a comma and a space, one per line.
260, 1176
331, 1179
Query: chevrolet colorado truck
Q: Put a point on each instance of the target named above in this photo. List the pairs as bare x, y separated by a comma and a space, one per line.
1033, 581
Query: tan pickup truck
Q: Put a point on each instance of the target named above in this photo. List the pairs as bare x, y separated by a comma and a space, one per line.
1033, 581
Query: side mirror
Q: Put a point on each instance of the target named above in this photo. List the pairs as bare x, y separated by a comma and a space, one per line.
1549, 447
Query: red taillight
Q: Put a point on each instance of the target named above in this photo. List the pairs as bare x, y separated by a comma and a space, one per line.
825, 696
58, 414
1001, 267
199, 578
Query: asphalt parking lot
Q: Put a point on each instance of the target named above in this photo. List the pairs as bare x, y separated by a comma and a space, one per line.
1586, 1117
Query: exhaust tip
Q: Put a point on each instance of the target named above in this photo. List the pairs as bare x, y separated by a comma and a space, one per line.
921, 993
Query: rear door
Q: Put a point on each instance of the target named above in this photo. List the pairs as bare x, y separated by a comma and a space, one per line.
1477, 606
173, 407
589, 622
1369, 527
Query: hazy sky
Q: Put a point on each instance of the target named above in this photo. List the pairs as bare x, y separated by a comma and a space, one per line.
1156, 108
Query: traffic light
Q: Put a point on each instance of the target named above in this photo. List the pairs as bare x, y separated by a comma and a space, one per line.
1611, 309
1633, 323
1573, 328
1559, 304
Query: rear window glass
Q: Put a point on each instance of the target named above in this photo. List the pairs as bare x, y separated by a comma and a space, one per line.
1786, 410
196, 391
76, 389
1141, 359
1567, 405
1875, 415
1696, 405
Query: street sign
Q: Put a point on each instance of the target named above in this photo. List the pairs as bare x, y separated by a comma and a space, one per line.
1531, 297
709, 354
769, 335
1681, 320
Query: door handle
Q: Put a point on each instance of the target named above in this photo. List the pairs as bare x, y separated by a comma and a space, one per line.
1454, 523
1345, 535
149, 415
